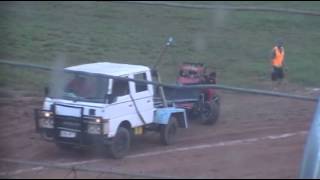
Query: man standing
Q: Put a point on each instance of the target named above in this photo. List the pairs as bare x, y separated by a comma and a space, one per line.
277, 62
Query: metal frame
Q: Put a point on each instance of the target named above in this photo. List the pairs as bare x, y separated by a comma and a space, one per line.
84, 120
57, 131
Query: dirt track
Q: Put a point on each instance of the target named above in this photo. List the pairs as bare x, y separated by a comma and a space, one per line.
256, 137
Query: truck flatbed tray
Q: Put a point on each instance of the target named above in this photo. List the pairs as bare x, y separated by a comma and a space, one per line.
181, 94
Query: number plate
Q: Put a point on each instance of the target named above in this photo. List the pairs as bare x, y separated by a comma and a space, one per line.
67, 134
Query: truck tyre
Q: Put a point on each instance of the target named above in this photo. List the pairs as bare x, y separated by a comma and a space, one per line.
120, 143
168, 132
210, 113
215, 112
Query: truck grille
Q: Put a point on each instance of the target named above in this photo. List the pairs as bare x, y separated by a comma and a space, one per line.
68, 123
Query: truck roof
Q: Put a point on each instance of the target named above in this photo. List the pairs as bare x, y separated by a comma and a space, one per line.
107, 68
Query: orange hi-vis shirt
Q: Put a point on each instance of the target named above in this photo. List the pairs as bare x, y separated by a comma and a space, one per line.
277, 61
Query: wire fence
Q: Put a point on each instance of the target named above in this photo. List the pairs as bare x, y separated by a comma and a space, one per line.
215, 86
73, 170
224, 7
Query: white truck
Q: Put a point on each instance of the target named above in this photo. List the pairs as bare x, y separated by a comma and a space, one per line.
87, 107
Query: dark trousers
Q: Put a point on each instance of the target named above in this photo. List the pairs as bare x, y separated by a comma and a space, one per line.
277, 73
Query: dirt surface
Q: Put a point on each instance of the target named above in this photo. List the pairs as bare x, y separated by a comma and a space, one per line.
256, 137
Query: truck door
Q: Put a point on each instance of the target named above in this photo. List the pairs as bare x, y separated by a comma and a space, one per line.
121, 108
143, 96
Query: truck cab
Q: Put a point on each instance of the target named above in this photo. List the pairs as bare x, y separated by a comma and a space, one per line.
105, 104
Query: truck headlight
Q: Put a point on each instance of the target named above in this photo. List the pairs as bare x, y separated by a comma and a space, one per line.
98, 120
46, 123
46, 119
94, 129
47, 114
98, 125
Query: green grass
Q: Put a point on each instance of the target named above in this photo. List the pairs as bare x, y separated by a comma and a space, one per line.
235, 44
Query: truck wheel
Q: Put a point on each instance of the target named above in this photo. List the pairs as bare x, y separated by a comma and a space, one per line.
215, 112
194, 113
210, 113
120, 144
168, 132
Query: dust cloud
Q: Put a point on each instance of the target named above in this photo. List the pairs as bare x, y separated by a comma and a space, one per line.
57, 78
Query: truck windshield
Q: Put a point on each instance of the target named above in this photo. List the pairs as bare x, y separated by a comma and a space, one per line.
80, 87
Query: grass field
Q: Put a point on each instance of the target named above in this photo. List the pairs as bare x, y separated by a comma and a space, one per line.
235, 44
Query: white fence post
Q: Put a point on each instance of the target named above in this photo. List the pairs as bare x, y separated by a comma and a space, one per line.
310, 167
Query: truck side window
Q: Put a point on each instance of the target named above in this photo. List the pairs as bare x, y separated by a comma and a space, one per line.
120, 88
141, 86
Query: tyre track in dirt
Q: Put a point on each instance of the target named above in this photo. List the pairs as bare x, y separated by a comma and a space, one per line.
242, 117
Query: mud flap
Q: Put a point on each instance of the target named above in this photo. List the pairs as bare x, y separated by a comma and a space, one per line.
162, 116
